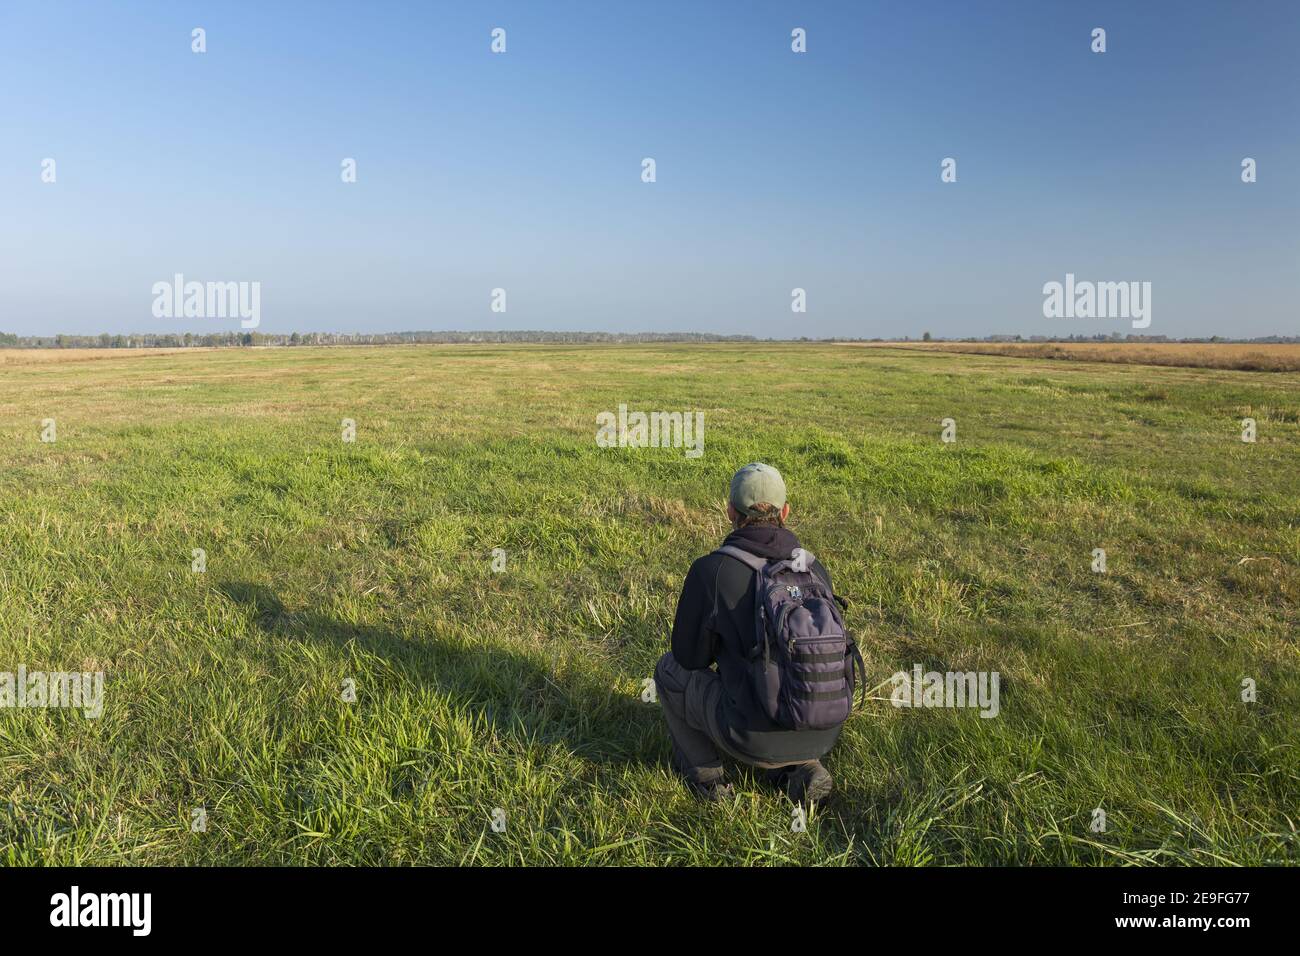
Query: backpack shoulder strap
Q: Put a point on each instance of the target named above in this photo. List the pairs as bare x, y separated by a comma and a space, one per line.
754, 562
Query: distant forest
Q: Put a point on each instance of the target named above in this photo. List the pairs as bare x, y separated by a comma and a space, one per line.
169, 340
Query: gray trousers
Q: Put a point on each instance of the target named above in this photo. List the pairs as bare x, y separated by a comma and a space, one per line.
690, 702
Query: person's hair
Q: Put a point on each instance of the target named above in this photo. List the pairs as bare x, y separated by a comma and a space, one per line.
767, 514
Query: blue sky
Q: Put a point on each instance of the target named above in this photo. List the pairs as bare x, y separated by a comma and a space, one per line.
775, 170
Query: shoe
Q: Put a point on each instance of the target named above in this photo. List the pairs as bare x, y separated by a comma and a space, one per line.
716, 791
803, 783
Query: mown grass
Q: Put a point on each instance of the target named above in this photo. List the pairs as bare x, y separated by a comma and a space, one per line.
372, 561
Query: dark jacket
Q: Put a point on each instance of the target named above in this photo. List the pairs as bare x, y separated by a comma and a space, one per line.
695, 646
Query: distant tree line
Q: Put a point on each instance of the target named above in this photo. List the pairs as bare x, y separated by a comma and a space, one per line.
172, 340
169, 340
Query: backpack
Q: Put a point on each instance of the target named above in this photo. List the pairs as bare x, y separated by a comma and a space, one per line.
801, 664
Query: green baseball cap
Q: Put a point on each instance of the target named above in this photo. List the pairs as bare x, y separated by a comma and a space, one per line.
755, 484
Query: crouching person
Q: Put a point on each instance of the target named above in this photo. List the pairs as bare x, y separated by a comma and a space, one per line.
762, 610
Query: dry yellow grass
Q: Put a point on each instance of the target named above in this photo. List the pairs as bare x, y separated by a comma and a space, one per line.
1225, 355
38, 356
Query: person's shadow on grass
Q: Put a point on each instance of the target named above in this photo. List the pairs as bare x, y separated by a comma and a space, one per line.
515, 695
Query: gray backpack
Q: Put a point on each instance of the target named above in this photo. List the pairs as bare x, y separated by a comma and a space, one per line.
801, 664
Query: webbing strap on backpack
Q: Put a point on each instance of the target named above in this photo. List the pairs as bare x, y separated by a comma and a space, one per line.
853, 650
856, 661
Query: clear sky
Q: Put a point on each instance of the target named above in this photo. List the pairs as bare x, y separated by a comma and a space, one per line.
775, 170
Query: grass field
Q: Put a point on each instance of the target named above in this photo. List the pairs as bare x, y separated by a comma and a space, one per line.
330, 561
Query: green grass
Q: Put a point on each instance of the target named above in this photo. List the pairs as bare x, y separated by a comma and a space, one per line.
520, 690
